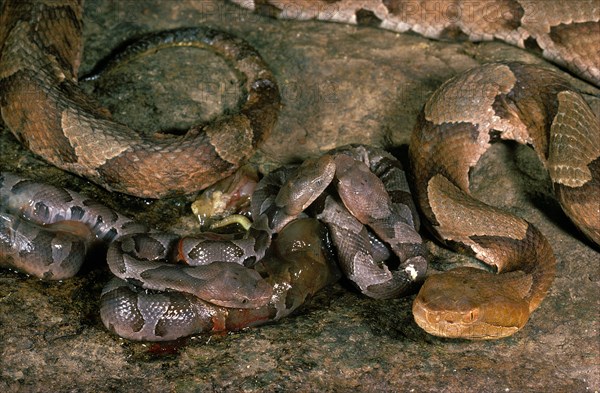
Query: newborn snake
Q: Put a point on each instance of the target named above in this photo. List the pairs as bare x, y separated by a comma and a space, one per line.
167, 287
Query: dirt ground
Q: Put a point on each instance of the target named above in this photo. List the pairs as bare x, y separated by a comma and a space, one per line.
340, 84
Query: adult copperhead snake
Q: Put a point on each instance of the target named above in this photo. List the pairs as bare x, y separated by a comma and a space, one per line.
40, 59
42, 45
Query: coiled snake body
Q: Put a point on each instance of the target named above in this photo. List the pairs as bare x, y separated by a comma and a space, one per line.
48, 228
41, 49
559, 125
39, 58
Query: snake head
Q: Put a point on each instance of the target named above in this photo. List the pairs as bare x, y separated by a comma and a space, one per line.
471, 303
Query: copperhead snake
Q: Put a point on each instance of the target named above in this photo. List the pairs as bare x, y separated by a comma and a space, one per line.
42, 45
41, 59
226, 284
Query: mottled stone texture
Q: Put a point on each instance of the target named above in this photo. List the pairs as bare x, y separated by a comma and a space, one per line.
340, 84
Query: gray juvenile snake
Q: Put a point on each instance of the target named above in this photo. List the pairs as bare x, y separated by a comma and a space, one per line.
224, 284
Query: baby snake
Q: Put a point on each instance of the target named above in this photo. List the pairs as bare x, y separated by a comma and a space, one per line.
225, 284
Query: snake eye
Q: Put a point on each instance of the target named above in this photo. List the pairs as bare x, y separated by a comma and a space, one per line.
472, 316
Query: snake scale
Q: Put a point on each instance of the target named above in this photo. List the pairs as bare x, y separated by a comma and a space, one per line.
42, 105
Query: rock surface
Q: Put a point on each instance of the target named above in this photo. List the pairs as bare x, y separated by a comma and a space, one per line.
340, 84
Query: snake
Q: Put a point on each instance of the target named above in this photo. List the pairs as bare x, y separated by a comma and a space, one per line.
164, 287
563, 33
167, 286
43, 106
522, 103
41, 45
289, 275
